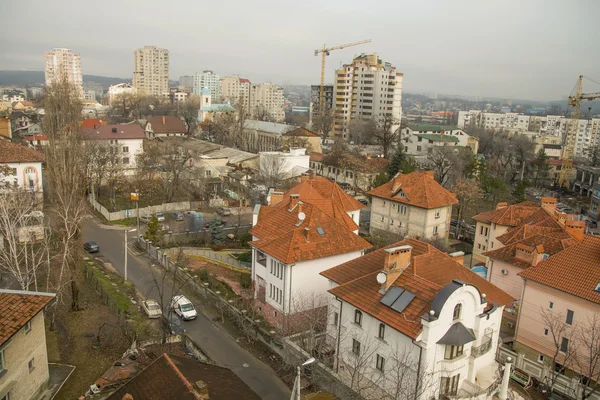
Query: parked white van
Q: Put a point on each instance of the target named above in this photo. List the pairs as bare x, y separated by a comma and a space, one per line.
183, 307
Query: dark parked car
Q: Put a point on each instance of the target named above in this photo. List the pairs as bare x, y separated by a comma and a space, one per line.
177, 216
363, 201
91, 247
173, 324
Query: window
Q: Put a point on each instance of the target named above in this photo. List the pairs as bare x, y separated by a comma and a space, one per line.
435, 230
31, 365
481, 230
208, 172
541, 358
30, 171
381, 331
550, 305
437, 213
546, 332
380, 363
125, 160
452, 352
356, 347
336, 318
2, 362
125, 149
479, 246
449, 386
456, 312
564, 345
358, 317
419, 148
570, 314
28, 327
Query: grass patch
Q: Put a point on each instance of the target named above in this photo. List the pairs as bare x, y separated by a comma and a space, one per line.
125, 222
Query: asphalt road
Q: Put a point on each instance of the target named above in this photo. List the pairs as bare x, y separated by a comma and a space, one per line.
216, 343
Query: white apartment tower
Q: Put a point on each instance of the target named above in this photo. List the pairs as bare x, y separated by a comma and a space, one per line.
210, 80
369, 88
60, 63
268, 98
238, 91
151, 70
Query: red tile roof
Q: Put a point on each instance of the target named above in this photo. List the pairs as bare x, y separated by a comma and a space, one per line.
15, 153
171, 377
512, 215
282, 235
17, 308
121, 131
318, 188
167, 124
419, 188
91, 123
575, 270
300, 132
430, 270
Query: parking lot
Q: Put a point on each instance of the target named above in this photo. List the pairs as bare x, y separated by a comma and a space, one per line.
195, 221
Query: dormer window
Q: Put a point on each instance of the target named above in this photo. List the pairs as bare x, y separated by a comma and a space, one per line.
457, 311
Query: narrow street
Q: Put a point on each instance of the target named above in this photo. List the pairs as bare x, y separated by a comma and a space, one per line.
216, 343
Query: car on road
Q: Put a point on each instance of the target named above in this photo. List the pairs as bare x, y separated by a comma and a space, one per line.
145, 219
160, 216
224, 211
173, 324
151, 308
364, 202
91, 247
184, 308
178, 216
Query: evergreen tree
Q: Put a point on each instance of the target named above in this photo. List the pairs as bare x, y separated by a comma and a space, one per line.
217, 234
154, 233
380, 179
401, 162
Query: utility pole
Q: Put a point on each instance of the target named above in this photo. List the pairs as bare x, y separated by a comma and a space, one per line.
125, 255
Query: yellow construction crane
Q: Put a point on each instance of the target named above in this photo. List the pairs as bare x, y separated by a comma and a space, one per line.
324, 53
571, 135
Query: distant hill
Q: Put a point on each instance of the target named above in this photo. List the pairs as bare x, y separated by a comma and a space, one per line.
36, 78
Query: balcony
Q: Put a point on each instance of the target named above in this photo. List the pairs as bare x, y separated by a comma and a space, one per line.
484, 347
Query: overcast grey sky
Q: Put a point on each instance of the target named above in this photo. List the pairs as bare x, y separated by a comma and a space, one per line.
532, 49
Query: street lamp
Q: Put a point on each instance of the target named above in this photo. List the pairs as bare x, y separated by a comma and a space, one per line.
126, 232
297, 384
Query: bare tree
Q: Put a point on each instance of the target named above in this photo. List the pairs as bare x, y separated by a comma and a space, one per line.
188, 110
468, 193
357, 364
588, 338
323, 122
261, 113
66, 167
564, 347
272, 170
444, 161
386, 133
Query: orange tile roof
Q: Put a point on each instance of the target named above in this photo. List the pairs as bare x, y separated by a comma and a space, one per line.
91, 123
429, 272
17, 308
553, 243
420, 189
512, 215
318, 188
15, 153
281, 234
575, 270
166, 124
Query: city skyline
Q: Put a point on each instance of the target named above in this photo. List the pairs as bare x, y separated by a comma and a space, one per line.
465, 47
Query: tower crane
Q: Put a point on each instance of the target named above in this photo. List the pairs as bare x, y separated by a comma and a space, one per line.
571, 135
324, 53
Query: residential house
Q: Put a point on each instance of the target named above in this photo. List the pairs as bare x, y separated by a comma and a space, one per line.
212, 171
182, 378
358, 172
165, 126
302, 232
560, 308
277, 166
27, 130
302, 137
91, 123
37, 141
19, 119
420, 139
23, 355
5, 129
491, 224
24, 166
409, 319
127, 138
412, 205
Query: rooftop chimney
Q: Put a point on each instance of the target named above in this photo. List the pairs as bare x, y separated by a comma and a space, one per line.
114, 129
396, 259
294, 198
164, 120
524, 253
549, 203
501, 205
304, 177
575, 228
276, 197
538, 255
202, 389
458, 256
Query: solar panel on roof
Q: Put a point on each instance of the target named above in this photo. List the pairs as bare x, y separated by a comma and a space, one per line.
403, 301
391, 296
320, 231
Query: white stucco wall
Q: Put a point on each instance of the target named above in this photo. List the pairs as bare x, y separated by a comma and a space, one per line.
27, 175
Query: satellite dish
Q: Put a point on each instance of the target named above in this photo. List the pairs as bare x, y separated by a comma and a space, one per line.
301, 216
381, 278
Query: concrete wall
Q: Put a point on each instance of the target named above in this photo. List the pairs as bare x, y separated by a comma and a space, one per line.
22, 383
510, 282
145, 211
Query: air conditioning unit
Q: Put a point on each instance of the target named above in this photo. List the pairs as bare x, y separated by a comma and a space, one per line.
510, 324
504, 272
